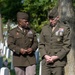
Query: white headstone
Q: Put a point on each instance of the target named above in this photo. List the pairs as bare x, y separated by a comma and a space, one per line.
1, 48
4, 50
4, 71
6, 43
40, 68
12, 67
7, 53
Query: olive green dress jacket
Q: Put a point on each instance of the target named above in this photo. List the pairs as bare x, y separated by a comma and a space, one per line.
55, 43
18, 39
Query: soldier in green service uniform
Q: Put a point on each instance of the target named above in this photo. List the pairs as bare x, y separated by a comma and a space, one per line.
54, 45
22, 41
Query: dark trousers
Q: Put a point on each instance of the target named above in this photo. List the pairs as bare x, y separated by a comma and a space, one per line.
30, 70
52, 70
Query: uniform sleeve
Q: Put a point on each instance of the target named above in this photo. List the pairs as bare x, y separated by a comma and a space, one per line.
42, 45
66, 44
11, 43
35, 42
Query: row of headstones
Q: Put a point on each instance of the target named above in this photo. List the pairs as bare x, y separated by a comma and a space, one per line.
5, 70
5, 53
4, 50
7, 56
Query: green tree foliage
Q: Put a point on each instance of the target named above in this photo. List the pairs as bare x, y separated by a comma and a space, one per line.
38, 10
9, 8
74, 4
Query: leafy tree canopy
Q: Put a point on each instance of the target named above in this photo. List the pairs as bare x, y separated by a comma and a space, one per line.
9, 8
38, 10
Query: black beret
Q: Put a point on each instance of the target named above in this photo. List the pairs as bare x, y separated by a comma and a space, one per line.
22, 15
53, 13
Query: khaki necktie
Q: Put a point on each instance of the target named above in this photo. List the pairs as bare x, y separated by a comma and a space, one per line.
53, 29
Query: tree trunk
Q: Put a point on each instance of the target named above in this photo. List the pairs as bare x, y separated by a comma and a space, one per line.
1, 30
66, 14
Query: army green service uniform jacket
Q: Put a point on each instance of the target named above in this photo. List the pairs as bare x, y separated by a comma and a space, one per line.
18, 39
55, 43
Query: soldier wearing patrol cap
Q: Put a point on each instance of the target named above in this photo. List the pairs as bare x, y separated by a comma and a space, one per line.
54, 45
53, 13
22, 41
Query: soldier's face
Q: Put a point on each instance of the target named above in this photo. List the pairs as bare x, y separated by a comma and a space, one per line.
24, 23
53, 21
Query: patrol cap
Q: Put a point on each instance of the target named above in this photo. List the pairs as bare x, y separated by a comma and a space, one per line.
22, 15
53, 13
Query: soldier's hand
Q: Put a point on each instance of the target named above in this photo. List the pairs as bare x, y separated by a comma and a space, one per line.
29, 50
48, 59
54, 58
23, 51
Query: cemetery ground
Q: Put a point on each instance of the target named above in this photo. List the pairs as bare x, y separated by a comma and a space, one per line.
12, 72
